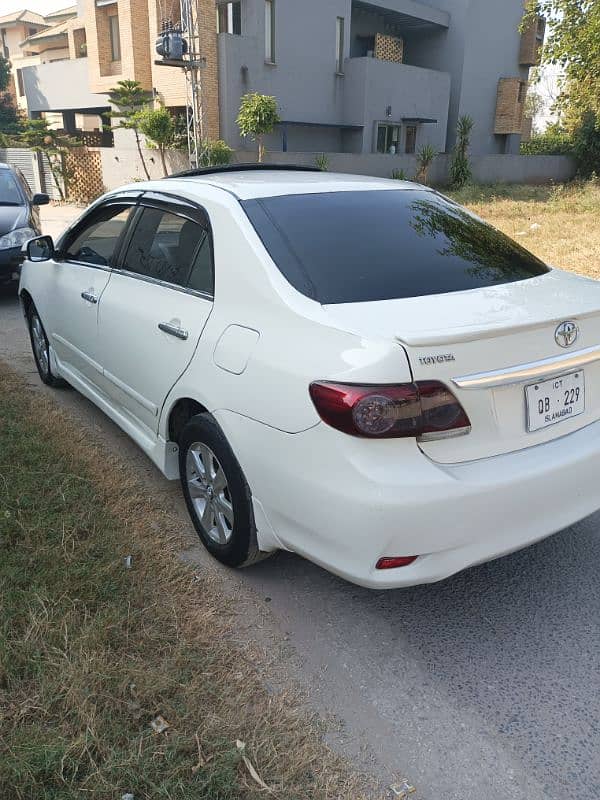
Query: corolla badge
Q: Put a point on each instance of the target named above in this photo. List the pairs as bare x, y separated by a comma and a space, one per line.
566, 334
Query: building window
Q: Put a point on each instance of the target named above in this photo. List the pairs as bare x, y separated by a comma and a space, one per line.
388, 138
229, 18
410, 144
339, 46
20, 86
115, 38
270, 31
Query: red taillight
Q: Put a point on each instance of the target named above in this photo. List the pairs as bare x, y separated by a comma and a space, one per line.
395, 561
427, 409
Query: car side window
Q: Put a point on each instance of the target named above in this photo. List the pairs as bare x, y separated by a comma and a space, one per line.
25, 186
170, 248
97, 239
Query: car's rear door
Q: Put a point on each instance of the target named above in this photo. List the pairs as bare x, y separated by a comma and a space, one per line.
156, 305
74, 284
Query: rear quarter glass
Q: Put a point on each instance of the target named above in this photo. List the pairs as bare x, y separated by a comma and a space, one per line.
352, 247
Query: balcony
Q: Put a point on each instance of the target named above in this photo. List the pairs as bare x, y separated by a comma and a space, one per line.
378, 92
410, 14
60, 86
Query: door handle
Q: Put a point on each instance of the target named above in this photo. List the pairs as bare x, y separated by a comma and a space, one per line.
173, 330
91, 298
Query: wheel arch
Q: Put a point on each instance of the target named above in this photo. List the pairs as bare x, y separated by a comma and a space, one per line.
26, 301
178, 415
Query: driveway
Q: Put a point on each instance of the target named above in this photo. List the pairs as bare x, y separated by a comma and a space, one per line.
484, 686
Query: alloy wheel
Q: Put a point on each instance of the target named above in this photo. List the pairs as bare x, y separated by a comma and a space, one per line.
209, 493
40, 344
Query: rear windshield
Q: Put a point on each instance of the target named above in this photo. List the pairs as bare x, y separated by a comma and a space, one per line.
351, 247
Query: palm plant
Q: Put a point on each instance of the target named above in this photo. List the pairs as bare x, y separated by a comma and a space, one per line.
129, 98
425, 158
460, 168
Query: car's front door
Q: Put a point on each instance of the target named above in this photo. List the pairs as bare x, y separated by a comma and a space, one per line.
155, 306
76, 282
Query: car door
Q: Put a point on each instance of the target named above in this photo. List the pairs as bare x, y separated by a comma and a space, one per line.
78, 277
156, 305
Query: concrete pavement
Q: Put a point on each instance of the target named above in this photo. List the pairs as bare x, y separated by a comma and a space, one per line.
484, 686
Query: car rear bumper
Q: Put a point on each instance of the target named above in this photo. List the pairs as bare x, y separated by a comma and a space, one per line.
345, 502
10, 264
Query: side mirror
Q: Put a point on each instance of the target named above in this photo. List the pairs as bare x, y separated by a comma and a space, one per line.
40, 200
40, 249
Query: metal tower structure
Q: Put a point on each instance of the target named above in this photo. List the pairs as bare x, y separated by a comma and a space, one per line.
193, 63
180, 46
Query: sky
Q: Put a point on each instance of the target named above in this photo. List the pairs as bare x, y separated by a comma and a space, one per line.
41, 6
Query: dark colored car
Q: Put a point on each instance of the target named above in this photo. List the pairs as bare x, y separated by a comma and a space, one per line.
19, 220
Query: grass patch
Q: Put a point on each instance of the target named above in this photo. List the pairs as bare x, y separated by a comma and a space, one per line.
91, 652
564, 217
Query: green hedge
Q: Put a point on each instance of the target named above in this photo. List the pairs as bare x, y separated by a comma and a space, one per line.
550, 143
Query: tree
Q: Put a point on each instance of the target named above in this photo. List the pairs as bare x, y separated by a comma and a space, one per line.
9, 115
460, 168
158, 126
535, 105
573, 43
129, 99
54, 146
257, 117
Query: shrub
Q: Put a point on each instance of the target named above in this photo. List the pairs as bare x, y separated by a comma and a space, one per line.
322, 162
553, 142
215, 152
399, 175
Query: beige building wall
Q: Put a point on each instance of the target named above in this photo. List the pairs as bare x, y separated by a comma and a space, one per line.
135, 61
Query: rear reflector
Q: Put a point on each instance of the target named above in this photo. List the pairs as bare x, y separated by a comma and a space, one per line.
395, 562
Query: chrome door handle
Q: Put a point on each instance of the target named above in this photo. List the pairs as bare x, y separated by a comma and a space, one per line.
91, 298
173, 330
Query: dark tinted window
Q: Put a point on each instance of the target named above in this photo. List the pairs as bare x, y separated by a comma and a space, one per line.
9, 190
348, 247
170, 248
96, 240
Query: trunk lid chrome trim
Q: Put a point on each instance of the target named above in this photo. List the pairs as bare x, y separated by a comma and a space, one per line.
522, 373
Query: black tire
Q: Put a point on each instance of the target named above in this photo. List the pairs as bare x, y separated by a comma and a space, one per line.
241, 548
41, 349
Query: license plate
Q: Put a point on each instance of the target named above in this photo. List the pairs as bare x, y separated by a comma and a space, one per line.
556, 400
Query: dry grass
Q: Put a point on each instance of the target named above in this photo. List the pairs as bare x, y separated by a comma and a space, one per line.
568, 216
92, 652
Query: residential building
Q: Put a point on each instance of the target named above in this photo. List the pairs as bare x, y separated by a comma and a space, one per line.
378, 75
50, 72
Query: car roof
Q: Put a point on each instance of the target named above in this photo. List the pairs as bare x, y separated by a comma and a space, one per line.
250, 184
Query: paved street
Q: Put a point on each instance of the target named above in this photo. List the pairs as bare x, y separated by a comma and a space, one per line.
484, 686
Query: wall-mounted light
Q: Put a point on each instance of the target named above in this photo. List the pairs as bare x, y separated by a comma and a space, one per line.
388, 112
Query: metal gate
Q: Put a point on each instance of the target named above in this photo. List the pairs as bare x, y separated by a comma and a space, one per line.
25, 160
34, 167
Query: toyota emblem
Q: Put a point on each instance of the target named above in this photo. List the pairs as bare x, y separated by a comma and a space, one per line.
566, 334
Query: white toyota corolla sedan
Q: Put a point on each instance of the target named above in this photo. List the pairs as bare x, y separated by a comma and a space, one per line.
356, 370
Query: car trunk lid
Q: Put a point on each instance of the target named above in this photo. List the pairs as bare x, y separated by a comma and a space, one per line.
487, 345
